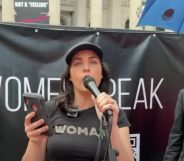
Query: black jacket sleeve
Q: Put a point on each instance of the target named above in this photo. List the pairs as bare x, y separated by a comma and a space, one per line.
174, 150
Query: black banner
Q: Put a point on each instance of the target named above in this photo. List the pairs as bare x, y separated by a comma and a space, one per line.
146, 76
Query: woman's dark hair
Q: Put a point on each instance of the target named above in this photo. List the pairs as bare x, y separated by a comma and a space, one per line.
66, 96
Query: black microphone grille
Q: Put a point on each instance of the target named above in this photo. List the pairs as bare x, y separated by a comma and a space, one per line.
87, 79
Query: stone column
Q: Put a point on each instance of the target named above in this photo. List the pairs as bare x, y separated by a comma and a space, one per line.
81, 13
96, 13
8, 12
134, 12
54, 12
115, 13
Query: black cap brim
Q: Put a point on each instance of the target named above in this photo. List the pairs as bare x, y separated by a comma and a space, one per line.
83, 46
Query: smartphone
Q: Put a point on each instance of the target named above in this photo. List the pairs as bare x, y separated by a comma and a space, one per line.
35, 102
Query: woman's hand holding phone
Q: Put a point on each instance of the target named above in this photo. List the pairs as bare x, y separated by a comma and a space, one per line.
35, 124
35, 130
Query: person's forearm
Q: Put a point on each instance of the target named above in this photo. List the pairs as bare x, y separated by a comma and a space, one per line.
35, 152
121, 144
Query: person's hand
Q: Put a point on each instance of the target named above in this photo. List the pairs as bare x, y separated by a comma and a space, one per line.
33, 130
104, 102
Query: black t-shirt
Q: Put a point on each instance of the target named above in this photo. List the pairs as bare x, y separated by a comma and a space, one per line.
75, 139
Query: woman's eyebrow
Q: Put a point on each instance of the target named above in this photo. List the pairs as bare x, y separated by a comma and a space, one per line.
93, 57
77, 58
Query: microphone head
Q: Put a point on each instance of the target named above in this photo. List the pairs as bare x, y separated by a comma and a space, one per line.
90, 84
88, 79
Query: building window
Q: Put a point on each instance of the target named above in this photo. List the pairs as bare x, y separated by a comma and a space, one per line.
159, 29
127, 23
63, 21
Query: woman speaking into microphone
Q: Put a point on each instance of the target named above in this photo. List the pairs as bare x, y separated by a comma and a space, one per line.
76, 132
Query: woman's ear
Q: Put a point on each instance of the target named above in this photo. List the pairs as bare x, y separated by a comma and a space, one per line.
101, 76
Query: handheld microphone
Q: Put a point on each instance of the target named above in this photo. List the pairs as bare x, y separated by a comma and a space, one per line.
90, 84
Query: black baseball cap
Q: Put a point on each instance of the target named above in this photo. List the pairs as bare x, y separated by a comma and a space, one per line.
83, 46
